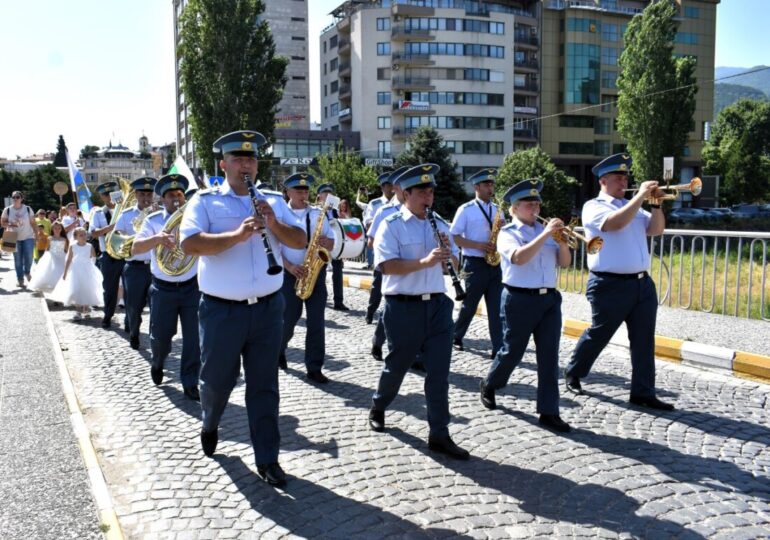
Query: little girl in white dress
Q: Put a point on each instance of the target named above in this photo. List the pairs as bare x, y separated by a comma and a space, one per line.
49, 269
81, 284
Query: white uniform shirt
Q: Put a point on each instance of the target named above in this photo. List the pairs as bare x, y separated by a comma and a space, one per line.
124, 224
540, 271
151, 226
67, 221
470, 223
382, 212
372, 207
99, 221
405, 236
238, 273
625, 251
296, 256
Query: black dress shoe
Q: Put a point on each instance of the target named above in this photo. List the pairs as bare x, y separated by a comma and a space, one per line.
377, 352
157, 375
573, 384
282, 362
192, 393
106, 323
134, 342
554, 422
458, 344
368, 319
651, 402
446, 446
209, 441
487, 396
341, 307
419, 366
317, 376
377, 420
492, 355
272, 473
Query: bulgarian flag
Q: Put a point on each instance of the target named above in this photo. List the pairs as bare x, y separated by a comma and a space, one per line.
180, 167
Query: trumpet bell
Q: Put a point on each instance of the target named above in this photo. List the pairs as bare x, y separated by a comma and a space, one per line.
595, 245
696, 186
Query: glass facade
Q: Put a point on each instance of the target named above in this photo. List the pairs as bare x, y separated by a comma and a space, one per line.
454, 49
582, 73
456, 98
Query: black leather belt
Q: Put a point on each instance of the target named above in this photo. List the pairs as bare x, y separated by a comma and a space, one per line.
138, 263
473, 257
248, 301
173, 284
533, 292
414, 297
636, 275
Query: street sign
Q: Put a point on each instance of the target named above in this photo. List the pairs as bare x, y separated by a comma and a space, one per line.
297, 161
378, 162
668, 168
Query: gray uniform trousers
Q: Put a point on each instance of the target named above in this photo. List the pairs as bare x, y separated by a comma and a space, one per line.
137, 279
375, 295
112, 270
483, 280
315, 336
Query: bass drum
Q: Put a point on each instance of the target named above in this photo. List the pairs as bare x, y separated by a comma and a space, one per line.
349, 238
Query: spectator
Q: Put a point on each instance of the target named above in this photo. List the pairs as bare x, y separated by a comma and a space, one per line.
41, 244
19, 218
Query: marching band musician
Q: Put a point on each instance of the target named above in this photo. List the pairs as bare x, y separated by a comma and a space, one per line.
110, 267
337, 290
172, 297
418, 313
529, 257
298, 189
471, 230
136, 273
375, 296
619, 287
241, 308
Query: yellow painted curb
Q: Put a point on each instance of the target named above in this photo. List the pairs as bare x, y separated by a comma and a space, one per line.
573, 328
755, 365
667, 347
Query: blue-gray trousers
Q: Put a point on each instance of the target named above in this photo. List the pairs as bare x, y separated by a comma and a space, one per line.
315, 335
137, 279
112, 270
483, 280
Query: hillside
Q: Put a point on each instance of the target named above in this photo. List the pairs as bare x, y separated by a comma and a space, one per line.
759, 80
727, 94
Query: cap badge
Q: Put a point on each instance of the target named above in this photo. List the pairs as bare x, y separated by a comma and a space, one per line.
247, 135
533, 182
174, 184
246, 145
625, 156
426, 167
425, 177
147, 185
534, 193
622, 167
302, 182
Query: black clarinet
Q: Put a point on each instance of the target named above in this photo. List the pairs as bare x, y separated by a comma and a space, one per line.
273, 267
459, 292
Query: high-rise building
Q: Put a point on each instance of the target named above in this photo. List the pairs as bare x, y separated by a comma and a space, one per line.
583, 40
289, 25
389, 67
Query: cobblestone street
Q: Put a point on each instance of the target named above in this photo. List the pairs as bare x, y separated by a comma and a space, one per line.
702, 471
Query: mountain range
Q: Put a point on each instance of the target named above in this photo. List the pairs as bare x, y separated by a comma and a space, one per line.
737, 83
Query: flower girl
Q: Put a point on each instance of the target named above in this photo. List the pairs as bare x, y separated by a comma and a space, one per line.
50, 267
81, 283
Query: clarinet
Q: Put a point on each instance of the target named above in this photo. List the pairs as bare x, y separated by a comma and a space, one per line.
459, 292
273, 267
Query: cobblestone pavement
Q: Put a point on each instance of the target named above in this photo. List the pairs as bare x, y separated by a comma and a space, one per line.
702, 471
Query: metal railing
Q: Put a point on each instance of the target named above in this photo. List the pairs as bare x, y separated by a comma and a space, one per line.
724, 272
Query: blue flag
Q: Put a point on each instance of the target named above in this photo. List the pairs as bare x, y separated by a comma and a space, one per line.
79, 187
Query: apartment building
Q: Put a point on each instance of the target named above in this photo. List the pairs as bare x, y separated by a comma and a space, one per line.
389, 67
289, 25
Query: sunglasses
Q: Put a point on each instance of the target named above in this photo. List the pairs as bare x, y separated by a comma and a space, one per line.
15, 197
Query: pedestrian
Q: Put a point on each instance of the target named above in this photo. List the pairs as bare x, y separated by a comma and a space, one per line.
19, 218
619, 287
418, 313
70, 220
241, 309
529, 256
41, 220
80, 283
49, 269
344, 209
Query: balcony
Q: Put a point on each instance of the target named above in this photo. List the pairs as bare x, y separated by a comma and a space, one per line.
403, 59
344, 25
400, 33
404, 9
529, 88
525, 17
411, 83
525, 134
344, 69
402, 132
345, 91
526, 65
343, 46
345, 115
412, 108
526, 41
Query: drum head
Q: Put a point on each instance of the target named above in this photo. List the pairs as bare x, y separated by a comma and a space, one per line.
349, 238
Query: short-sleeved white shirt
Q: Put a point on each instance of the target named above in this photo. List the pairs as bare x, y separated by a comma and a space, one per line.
470, 223
540, 271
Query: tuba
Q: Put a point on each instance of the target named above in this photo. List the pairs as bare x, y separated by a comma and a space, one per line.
118, 244
493, 258
173, 261
316, 257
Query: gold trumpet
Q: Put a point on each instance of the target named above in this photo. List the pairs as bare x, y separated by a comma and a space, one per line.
570, 237
671, 193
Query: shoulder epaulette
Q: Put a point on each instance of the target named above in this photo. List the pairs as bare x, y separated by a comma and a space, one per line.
508, 226
376, 202
154, 214
208, 191
393, 216
441, 219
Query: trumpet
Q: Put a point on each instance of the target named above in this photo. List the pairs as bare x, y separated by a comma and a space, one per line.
671, 193
568, 236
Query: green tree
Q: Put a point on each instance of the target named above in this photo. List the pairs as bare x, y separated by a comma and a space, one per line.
739, 151
656, 92
347, 173
230, 75
60, 160
88, 150
558, 189
427, 146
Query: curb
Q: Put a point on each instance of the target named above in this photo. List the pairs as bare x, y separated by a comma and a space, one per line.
738, 363
107, 516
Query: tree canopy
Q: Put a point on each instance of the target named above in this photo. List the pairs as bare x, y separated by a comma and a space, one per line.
656, 92
37, 186
230, 75
427, 146
739, 151
60, 160
344, 170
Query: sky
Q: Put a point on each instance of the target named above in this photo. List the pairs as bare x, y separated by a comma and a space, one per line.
97, 71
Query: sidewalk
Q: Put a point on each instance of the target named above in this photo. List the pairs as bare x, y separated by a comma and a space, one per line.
44, 485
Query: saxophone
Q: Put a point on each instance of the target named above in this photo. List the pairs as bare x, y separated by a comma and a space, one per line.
316, 257
493, 257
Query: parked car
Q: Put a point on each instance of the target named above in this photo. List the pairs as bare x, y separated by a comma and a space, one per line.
745, 211
719, 214
687, 215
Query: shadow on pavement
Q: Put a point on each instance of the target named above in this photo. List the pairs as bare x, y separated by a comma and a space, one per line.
312, 511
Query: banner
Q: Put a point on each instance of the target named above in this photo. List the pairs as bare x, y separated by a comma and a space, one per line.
180, 167
79, 187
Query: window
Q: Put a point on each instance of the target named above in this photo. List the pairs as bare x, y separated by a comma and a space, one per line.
610, 56
582, 73
610, 32
691, 12
686, 38
298, 57
576, 148
332, 42
325, 91
619, 148
297, 38
583, 25
383, 148
602, 126
334, 109
324, 68
383, 49
298, 19
334, 86
576, 121
608, 102
383, 122
609, 79
333, 64
601, 148
324, 44
326, 112
383, 74
383, 23
383, 98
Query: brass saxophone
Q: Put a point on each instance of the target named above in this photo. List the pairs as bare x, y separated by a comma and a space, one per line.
316, 257
493, 257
